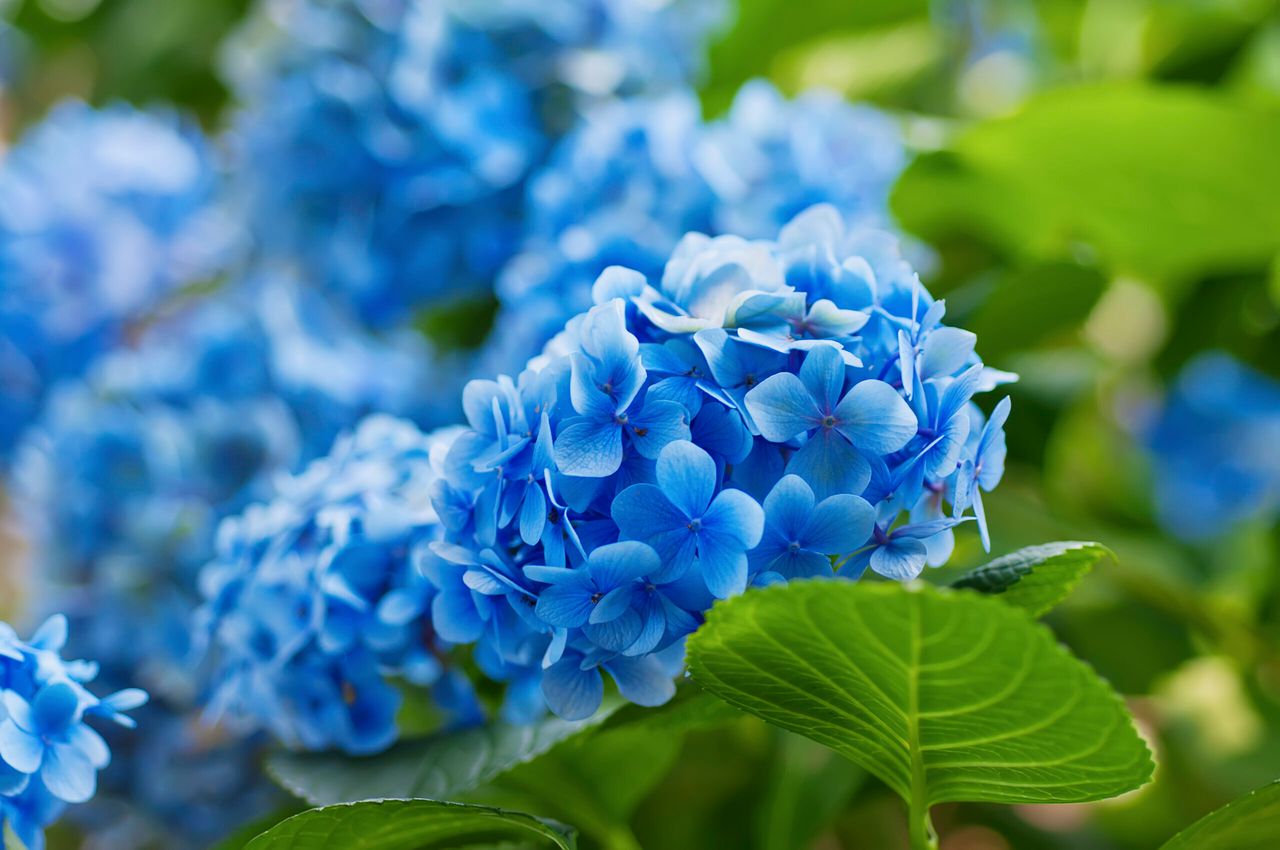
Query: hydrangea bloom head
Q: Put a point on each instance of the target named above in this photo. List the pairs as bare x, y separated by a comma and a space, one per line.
763, 410
105, 213
49, 754
386, 143
637, 175
1214, 447
123, 481
316, 595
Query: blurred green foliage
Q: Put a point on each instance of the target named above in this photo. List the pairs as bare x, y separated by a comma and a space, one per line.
1100, 197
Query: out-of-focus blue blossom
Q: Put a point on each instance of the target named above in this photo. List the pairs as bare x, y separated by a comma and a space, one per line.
105, 213
121, 485
1214, 448
811, 372
771, 158
638, 175
49, 755
385, 145
316, 596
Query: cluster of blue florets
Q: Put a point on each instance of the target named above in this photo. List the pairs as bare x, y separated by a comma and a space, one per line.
384, 145
49, 754
637, 175
1214, 446
317, 595
763, 410
123, 480
105, 213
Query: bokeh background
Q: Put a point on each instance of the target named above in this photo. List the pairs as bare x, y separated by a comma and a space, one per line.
1095, 190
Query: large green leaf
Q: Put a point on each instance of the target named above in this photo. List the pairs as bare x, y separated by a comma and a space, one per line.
409, 825
1161, 181
439, 767
1038, 577
1250, 823
944, 695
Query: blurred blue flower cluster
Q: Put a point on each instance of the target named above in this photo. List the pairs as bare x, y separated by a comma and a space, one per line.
105, 213
49, 754
123, 480
1214, 447
759, 411
383, 145
638, 174
317, 595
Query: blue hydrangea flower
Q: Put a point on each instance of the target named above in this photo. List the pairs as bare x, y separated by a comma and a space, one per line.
1213, 447
584, 537
315, 597
637, 175
49, 755
121, 485
385, 145
106, 212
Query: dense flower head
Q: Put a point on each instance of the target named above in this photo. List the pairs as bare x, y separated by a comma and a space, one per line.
759, 411
49, 754
385, 144
1214, 448
122, 482
636, 175
105, 213
317, 596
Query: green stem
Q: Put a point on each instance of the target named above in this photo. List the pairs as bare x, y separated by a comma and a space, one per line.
919, 827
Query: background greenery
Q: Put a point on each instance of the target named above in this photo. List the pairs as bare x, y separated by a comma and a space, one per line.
1099, 185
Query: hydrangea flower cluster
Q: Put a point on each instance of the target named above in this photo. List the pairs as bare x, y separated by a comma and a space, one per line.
384, 144
317, 596
636, 175
1214, 448
105, 213
124, 479
49, 754
762, 411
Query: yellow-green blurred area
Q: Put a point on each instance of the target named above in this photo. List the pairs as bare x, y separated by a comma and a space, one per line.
1096, 188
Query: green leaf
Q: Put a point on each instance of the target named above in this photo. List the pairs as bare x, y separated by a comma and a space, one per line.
409, 825
944, 695
1038, 577
439, 767
1118, 166
1031, 305
1249, 823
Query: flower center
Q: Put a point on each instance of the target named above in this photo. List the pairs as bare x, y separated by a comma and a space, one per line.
794, 546
695, 525
828, 421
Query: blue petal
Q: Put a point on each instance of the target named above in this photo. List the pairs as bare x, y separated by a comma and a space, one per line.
656, 425
20, 750
902, 558
875, 418
687, 476
613, 604
723, 565
572, 693
782, 408
565, 605
642, 680
68, 774
830, 465
617, 563
906, 363
454, 616
946, 350
788, 506
643, 511
823, 374
736, 515
720, 430
533, 514
589, 448
839, 524
617, 634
